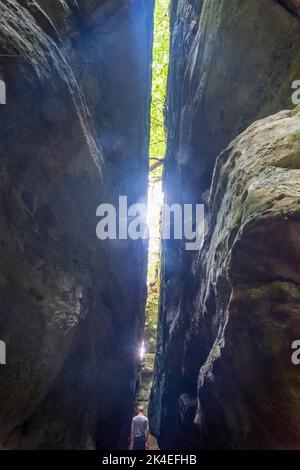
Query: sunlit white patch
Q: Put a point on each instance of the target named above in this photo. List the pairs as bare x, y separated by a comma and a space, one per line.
155, 202
183, 154
142, 351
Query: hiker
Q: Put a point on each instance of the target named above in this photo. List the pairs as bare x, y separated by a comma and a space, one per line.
139, 431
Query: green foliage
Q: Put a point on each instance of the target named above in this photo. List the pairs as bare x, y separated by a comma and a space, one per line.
154, 218
155, 195
159, 77
157, 149
152, 301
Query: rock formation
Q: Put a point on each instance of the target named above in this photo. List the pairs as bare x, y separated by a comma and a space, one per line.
73, 134
223, 374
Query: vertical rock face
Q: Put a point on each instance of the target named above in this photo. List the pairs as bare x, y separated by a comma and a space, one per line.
248, 387
73, 134
223, 375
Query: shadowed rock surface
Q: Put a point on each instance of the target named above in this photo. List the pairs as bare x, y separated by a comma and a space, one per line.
73, 134
223, 374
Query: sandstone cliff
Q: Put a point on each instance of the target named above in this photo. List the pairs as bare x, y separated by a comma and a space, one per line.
73, 134
228, 314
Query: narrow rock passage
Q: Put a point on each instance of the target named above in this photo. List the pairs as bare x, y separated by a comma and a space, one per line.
160, 63
103, 104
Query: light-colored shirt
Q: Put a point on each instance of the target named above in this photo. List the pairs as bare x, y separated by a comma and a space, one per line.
140, 425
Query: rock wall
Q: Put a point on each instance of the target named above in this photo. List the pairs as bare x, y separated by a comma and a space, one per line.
223, 373
73, 134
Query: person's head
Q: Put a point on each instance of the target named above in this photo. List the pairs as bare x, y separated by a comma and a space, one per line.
141, 409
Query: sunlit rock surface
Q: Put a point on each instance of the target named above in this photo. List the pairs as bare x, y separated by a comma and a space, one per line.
223, 373
248, 388
73, 134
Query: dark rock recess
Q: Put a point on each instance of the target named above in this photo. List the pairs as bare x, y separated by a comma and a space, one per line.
73, 134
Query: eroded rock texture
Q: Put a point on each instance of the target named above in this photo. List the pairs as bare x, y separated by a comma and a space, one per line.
248, 388
73, 134
229, 313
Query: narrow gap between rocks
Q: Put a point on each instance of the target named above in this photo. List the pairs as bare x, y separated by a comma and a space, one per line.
160, 65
